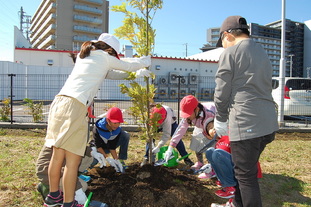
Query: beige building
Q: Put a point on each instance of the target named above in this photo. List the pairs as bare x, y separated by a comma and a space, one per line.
65, 25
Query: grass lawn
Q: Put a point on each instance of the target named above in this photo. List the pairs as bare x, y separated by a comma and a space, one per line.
286, 166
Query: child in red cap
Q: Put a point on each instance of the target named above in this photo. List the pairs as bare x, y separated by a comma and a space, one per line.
193, 114
168, 125
108, 136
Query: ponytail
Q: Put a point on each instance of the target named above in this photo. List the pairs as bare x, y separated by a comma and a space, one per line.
86, 48
99, 45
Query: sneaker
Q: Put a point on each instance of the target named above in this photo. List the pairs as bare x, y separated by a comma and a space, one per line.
43, 190
228, 204
75, 204
227, 192
209, 175
123, 164
197, 166
188, 162
218, 183
50, 201
85, 177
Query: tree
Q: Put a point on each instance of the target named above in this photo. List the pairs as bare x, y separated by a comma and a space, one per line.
137, 29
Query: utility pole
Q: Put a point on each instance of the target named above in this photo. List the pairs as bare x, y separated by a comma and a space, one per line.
24, 22
186, 44
291, 65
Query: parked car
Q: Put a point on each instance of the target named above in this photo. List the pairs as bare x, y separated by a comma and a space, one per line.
297, 95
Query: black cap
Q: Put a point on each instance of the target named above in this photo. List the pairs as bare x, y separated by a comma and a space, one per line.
231, 22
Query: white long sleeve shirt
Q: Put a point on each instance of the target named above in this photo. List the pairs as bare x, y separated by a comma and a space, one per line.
89, 73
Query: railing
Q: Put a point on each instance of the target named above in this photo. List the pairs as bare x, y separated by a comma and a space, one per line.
44, 87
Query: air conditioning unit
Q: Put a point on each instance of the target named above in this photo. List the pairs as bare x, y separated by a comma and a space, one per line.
183, 92
193, 91
193, 78
207, 93
173, 77
173, 93
162, 81
183, 80
162, 93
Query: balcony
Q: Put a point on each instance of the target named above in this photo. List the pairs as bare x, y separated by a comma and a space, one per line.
86, 19
87, 9
87, 29
95, 2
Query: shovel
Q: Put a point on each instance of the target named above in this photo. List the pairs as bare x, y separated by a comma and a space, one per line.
162, 161
88, 200
211, 143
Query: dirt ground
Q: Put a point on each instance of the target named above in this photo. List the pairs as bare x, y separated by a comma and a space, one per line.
149, 186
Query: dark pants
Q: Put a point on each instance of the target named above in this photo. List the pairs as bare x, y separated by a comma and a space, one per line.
123, 143
245, 156
180, 146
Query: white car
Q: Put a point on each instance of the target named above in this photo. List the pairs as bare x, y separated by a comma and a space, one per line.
297, 95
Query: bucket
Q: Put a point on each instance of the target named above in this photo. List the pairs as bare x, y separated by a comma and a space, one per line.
172, 162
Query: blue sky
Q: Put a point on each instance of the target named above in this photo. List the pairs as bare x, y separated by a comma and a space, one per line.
180, 22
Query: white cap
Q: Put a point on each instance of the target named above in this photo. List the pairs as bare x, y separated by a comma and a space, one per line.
110, 40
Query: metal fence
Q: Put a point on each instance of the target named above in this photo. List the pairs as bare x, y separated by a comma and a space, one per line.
44, 87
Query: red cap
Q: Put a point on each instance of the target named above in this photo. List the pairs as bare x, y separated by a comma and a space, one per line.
160, 110
187, 105
114, 114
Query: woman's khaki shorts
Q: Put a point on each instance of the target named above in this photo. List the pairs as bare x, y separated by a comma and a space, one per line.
67, 125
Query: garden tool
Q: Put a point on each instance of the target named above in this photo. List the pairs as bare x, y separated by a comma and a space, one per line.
86, 204
211, 143
183, 157
162, 161
204, 169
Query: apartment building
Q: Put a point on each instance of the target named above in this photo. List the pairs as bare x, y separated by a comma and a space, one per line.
65, 25
270, 37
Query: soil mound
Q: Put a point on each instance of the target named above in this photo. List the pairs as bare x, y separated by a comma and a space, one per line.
148, 186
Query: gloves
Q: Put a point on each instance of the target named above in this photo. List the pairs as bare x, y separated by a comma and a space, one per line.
99, 157
155, 150
116, 164
145, 60
168, 154
143, 73
221, 128
80, 196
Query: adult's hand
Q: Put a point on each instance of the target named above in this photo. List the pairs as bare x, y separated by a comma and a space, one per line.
221, 127
143, 73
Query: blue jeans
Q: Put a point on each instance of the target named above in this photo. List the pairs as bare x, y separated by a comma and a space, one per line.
222, 164
180, 146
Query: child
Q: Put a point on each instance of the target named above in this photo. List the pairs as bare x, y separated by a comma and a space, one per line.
220, 160
193, 113
108, 135
67, 123
168, 125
